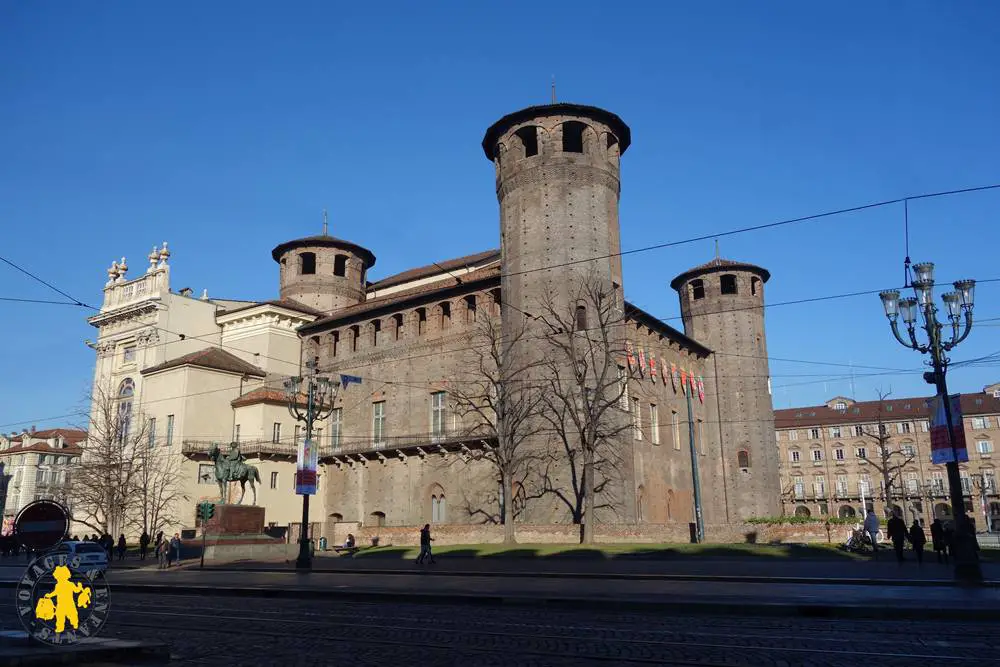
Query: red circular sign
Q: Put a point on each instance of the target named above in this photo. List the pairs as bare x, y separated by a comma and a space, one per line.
41, 525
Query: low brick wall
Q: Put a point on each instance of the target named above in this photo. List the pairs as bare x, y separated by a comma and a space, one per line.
605, 534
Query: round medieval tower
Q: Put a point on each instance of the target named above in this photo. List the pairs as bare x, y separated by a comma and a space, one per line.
557, 182
722, 303
323, 272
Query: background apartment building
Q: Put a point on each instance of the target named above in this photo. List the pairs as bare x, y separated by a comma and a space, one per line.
37, 465
832, 460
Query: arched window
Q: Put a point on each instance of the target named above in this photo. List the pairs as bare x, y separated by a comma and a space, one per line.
421, 321
581, 318
445, 307
340, 265
572, 136
355, 335
743, 459
307, 263
697, 289
126, 391
337, 517
377, 519
803, 511
846, 512
529, 139
397, 320
727, 284
376, 326
438, 508
754, 286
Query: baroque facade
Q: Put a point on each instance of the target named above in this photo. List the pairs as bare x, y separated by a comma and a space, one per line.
396, 451
37, 465
831, 463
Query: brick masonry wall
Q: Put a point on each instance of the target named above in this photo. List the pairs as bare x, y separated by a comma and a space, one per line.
672, 533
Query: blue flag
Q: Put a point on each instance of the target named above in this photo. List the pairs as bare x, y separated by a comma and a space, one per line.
348, 379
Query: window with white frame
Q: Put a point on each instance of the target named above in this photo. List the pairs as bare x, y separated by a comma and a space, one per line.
636, 419
903, 427
865, 485
274, 480
799, 488
793, 435
909, 451
335, 424
984, 446
438, 414
675, 429
989, 481
276, 433
966, 482
861, 452
654, 424
980, 422
814, 433
170, 430
777, 436
151, 436
859, 430
297, 435
937, 481
842, 487
793, 455
817, 455
236, 433
912, 483
840, 405
378, 422
925, 426
838, 453
128, 354
835, 432
819, 486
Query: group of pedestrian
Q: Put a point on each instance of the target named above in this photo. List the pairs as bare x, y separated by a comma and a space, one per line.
167, 551
899, 535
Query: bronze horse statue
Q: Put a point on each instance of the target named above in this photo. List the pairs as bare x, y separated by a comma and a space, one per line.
233, 470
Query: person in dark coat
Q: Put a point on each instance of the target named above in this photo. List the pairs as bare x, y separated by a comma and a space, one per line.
896, 529
937, 541
425, 545
121, 546
918, 540
143, 545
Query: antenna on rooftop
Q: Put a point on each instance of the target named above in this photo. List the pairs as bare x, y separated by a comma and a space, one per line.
326, 225
553, 89
717, 248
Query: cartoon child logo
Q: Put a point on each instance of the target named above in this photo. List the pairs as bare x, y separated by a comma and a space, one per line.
58, 603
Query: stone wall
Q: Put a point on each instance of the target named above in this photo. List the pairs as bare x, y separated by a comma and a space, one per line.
672, 533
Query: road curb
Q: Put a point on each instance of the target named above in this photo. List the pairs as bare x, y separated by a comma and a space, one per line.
99, 651
627, 576
674, 605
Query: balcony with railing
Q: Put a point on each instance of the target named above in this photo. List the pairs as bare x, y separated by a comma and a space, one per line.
255, 449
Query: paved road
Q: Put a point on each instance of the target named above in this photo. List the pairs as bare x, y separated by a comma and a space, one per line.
206, 630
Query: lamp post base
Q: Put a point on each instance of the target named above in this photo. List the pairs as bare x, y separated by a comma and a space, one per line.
304, 560
967, 569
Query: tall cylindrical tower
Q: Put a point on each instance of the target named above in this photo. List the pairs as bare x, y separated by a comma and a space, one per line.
557, 181
323, 272
722, 303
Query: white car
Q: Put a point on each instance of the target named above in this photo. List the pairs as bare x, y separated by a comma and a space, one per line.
92, 555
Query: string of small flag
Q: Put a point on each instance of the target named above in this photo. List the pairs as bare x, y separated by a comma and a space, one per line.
645, 366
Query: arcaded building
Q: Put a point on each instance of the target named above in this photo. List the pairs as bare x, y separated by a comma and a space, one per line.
397, 452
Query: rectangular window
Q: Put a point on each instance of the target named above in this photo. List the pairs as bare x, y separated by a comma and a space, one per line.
912, 483
980, 422
793, 435
654, 424
206, 473
335, 423
622, 388
966, 484
984, 446
839, 454
636, 419
799, 488
925, 426
152, 432
814, 433
297, 434
909, 451
817, 454
861, 453
937, 481
777, 436
859, 430
793, 456
378, 422
236, 433
675, 429
170, 430
865, 485
274, 480
842, 486
276, 433
819, 486
834, 431
128, 354
438, 415
904, 427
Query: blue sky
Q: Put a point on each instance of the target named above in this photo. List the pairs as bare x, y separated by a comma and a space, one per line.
226, 127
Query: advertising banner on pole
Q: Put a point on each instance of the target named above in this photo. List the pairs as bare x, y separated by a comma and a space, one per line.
305, 468
941, 451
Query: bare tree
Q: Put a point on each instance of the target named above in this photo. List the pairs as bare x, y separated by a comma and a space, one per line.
157, 488
104, 481
499, 401
890, 459
585, 394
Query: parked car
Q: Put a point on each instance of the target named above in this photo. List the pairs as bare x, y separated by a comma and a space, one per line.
92, 555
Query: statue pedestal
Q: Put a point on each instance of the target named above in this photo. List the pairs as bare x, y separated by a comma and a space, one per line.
236, 520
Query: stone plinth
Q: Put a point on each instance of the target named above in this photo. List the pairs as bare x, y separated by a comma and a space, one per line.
236, 520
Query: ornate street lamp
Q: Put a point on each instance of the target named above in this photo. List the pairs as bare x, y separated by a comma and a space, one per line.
320, 395
959, 310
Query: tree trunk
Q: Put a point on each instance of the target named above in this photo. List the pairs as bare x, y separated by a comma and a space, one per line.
508, 511
588, 499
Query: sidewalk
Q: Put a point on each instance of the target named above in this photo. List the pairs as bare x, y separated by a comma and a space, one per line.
885, 571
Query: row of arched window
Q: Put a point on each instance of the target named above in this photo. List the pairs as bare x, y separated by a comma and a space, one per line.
577, 137
307, 264
728, 284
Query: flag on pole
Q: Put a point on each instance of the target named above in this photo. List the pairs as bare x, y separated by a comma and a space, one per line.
348, 379
629, 354
701, 389
652, 367
642, 362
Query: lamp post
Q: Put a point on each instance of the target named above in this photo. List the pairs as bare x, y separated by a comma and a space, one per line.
959, 310
320, 394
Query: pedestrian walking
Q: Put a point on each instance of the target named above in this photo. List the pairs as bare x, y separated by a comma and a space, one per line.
871, 528
175, 547
143, 545
937, 541
918, 540
161, 555
896, 529
425, 545
122, 545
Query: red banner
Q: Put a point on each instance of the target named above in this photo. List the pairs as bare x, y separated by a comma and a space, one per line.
941, 445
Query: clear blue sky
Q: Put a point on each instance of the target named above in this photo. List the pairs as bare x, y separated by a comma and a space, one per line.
226, 127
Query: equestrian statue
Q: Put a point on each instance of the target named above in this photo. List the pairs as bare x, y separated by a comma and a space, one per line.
230, 467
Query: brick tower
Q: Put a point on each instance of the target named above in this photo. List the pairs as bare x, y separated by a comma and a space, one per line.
722, 303
323, 272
